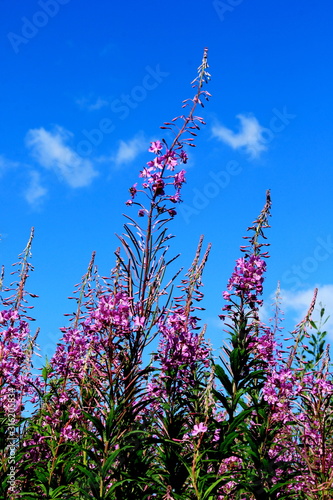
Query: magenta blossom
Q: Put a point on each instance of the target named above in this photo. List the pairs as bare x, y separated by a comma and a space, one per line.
156, 147
247, 278
183, 156
170, 160
179, 179
157, 162
199, 429
175, 198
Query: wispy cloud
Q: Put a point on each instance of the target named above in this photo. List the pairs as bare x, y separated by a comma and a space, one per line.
92, 104
52, 152
6, 165
299, 302
249, 137
129, 150
35, 192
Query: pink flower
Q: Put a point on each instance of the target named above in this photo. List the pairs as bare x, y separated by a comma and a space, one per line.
146, 172
183, 156
171, 161
175, 198
156, 163
138, 321
198, 429
179, 179
155, 147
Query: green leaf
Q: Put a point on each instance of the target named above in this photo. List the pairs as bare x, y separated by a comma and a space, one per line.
212, 488
223, 378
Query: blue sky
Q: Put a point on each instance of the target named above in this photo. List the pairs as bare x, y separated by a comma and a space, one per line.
85, 87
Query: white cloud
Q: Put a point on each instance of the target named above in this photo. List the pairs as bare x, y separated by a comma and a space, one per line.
35, 192
51, 152
299, 302
250, 135
129, 150
95, 105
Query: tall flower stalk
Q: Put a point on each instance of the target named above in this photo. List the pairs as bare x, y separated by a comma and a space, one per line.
91, 400
17, 384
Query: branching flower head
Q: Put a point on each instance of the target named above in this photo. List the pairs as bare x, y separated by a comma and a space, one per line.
160, 175
247, 279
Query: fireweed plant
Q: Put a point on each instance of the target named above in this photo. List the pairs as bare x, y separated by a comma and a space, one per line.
256, 423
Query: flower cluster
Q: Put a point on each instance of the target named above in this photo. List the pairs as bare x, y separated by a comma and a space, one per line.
246, 281
111, 318
71, 353
180, 352
180, 347
247, 278
113, 310
264, 346
14, 363
156, 180
279, 391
